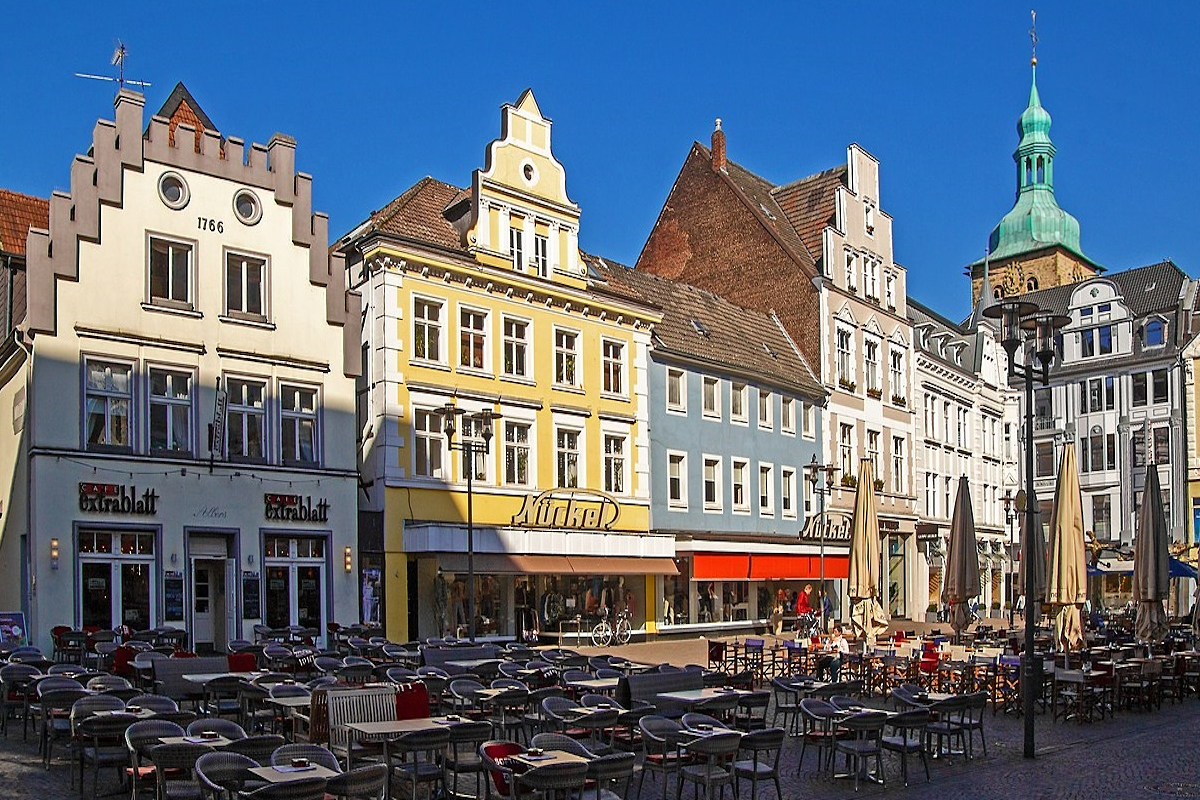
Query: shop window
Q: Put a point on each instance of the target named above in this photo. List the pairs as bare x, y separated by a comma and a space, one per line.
108, 394
295, 569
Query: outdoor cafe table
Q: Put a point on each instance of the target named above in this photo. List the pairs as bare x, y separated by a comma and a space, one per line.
216, 741
601, 685
804, 688
386, 730
286, 774
547, 757
691, 697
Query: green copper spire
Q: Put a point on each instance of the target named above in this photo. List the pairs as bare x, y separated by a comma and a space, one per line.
1036, 221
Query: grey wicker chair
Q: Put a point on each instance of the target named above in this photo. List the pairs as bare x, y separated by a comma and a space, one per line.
225, 775
223, 727
760, 760
611, 776
361, 783
709, 768
315, 753
563, 779
174, 770
305, 789
260, 748
461, 760
100, 741
414, 759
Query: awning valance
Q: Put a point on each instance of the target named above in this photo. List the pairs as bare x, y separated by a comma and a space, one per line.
515, 564
797, 567
720, 567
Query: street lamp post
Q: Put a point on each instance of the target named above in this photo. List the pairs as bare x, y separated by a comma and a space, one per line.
470, 447
1017, 320
1009, 513
813, 472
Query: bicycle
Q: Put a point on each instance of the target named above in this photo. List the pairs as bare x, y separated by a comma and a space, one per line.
606, 633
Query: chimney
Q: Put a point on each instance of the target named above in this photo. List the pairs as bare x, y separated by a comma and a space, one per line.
718, 148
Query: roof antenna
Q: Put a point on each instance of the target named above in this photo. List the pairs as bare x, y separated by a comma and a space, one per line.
118, 61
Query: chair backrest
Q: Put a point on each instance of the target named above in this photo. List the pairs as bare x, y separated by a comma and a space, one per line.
864, 722
714, 747
767, 742
361, 783
558, 741
304, 789
313, 752
563, 775
224, 773
224, 727
492, 753
153, 702
697, 721
85, 707
146, 733
375, 704
175, 762
259, 748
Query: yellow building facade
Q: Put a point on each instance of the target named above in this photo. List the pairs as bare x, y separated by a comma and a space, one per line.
479, 298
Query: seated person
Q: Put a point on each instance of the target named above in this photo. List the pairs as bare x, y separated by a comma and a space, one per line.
830, 662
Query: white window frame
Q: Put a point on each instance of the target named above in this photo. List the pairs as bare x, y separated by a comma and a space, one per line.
513, 445
808, 418
679, 404
898, 464
874, 440
172, 242
766, 410
677, 462
565, 356
846, 448
616, 464
467, 336
246, 411
787, 492
541, 255
516, 245
422, 327
563, 454
433, 440
514, 344
851, 270
739, 393
711, 388
110, 396
766, 489
171, 402
716, 481
299, 416
264, 264
889, 290
787, 414
613, 369
845, 357
871, 373
896, 372
739, 468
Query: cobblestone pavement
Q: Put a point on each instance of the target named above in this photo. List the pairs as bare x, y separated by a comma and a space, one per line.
1131, 755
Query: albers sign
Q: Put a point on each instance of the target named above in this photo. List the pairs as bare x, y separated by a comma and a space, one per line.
113, 498
294, 508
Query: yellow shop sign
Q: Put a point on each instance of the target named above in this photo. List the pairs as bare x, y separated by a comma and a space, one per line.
577, 509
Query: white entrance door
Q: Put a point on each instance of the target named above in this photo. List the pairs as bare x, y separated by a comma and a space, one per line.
203, 586
233, 629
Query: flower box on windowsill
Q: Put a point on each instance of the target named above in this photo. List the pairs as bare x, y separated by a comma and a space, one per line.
849, 481
849, 386
878, 484
898, 400
874, 394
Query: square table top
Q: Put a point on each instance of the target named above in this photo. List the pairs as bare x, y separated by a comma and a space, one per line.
694, 695
549, 757
396, 727
284, 774
472, 663
596, 683
219, 741
141, 713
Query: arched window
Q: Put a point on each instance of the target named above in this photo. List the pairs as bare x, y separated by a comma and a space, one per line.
998, 293
1028, 171
1041, 170
1155, 333
1031, 285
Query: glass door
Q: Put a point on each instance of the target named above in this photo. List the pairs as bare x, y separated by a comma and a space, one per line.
309, 597
278, 611
96, 594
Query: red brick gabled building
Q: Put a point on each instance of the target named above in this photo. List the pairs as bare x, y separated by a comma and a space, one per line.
818, 253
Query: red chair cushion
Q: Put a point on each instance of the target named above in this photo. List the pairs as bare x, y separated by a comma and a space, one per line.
412, 701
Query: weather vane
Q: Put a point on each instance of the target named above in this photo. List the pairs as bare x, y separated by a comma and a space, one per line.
1033, 36
118, 61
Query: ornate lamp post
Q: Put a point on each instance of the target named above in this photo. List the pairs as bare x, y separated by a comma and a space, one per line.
813, 472
1017, 320
481, 425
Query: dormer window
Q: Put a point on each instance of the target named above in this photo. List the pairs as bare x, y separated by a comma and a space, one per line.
1154, 334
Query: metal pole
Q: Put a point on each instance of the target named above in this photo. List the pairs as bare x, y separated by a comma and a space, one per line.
1028, 674
1012, 579
468, 450
821, 521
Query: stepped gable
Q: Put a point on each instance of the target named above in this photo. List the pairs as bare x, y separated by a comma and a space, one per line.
96, 178
704, 327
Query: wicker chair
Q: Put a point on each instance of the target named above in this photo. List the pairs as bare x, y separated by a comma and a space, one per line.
907, 737
153, 702
709, 767
761, 760
414, 759
361, 783
556, 741
100, 741
260, 748
222, 727
494, 754
461, 760
139, 738
306, 789
225, 775
174, 768
563, 779
660, 749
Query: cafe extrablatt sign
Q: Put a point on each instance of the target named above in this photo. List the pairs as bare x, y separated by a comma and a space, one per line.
295, 508
115, 498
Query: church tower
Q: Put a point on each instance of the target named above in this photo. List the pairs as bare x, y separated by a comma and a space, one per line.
1036, 244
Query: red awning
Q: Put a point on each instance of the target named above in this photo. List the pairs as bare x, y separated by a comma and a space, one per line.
797, 567
720, 566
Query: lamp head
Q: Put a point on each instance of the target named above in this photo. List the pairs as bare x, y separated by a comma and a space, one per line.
1021, 501
1010, 312
449, 411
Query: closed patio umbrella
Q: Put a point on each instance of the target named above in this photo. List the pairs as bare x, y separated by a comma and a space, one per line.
1151, 573
962, 560
1066, 577
867, 616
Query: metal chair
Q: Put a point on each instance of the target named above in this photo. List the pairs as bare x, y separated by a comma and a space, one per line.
414, 759
226, 775
361, 783
908, 737
709, 767
259, 748
817, 729
863, 742
553, 780
315, 753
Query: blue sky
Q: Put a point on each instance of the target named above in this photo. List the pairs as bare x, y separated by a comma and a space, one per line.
378, 97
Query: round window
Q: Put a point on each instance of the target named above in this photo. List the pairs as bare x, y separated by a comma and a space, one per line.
173, 190
529, 172
247, 207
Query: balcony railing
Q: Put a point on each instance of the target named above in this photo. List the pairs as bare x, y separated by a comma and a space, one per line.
1045, 423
